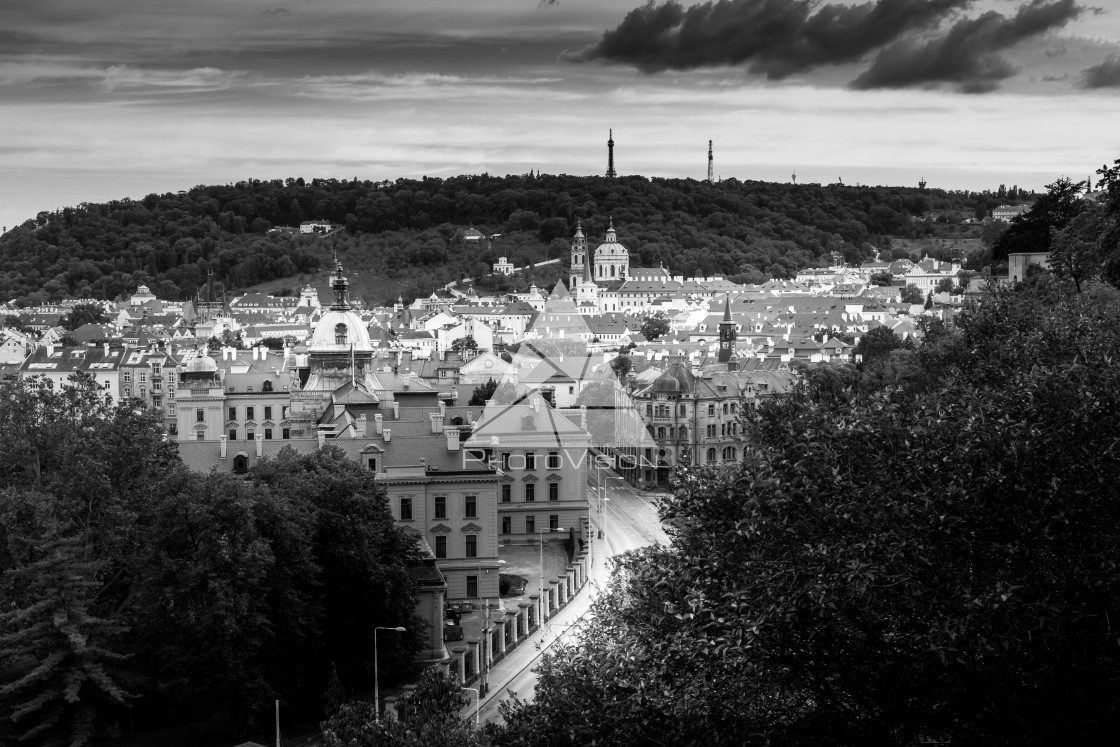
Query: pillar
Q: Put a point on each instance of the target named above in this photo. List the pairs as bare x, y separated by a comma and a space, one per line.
460, 663
474, 657
534, 618
523, 612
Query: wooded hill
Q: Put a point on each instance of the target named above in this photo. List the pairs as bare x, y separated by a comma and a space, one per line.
407, 234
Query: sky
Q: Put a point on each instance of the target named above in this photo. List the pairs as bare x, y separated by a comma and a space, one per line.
121, 98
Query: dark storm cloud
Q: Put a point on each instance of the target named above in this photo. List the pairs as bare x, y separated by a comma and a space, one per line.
1104, 75
967, 55
777, 37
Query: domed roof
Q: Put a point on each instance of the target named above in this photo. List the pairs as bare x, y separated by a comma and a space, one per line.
337, 330
201, 364
610, 245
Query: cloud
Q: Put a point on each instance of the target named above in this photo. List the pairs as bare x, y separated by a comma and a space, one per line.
967, 54
276, 12
778, 37
1103, 75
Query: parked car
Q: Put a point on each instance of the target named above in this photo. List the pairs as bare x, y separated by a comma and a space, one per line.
452, 632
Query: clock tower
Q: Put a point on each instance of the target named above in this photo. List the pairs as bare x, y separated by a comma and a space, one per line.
727, 333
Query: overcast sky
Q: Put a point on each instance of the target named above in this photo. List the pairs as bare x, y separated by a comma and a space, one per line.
119, 98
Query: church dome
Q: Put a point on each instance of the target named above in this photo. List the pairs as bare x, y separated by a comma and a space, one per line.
201, 364
338, 330
610, 246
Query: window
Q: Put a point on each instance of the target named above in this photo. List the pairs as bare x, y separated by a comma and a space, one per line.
266, 386
170, 377
711, 456
711, 409
530, 524
285, 433
553, 460
199, 416
507, 525
232, 414
199, 436
267, 434
127, 376
248, 413
440, 511
530, 492
141, 377
340, 334
157, 386
507, 493
472, 545
171, 392
554, 521
371, 462
268, 413
441, 545
472, 586
470, 507
284, 412
530, 460
660, 433
554, 491
682, 411
406, 509
232, 435
143, 392
156, 368
250, 435
649, 410
171, 410
505, 460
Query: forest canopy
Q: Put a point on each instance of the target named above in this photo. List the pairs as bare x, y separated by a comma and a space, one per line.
410, 232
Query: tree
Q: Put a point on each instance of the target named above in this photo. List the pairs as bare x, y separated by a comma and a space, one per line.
944, 285
57, 652
655, 326
465, 345
483, 393
933, 563
426, 717
622, 365
1031, 231
881, 279
911, 294
1076, 251
85, 313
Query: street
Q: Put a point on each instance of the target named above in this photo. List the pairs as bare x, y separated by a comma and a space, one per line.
628, 521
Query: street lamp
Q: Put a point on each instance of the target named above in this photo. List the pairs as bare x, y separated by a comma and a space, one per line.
376, 689
486, 642
477, 702
540, 544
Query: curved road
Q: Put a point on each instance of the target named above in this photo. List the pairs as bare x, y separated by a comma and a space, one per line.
628, 520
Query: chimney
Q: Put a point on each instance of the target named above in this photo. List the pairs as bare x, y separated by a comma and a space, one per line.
437, 422
50, 349
322, 439
470, 416
378, 423
452, 439
106, 349
222, 446
388, 434
360, 426
260, 445
396, 410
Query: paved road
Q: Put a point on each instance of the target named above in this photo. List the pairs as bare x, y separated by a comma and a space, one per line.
629, 521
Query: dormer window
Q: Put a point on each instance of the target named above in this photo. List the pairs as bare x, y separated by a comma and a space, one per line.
340, 334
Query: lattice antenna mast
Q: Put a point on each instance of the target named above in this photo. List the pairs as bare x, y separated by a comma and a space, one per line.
610, 155
710, 172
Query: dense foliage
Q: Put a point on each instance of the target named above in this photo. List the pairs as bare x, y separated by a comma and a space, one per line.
918, 549
410, 232
128, 581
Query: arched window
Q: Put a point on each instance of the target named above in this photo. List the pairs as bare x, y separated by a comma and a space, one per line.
711, 456
340, 334
266, 386
240, 463
684, 431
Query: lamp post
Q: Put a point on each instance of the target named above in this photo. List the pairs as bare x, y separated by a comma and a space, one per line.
477, 702
540, 544
484, 652
376, 688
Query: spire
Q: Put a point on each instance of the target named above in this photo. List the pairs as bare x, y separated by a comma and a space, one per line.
710, 179
610, 155
727, 308
339, 285
579, 229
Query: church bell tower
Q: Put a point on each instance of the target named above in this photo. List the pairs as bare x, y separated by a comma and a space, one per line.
727, 333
